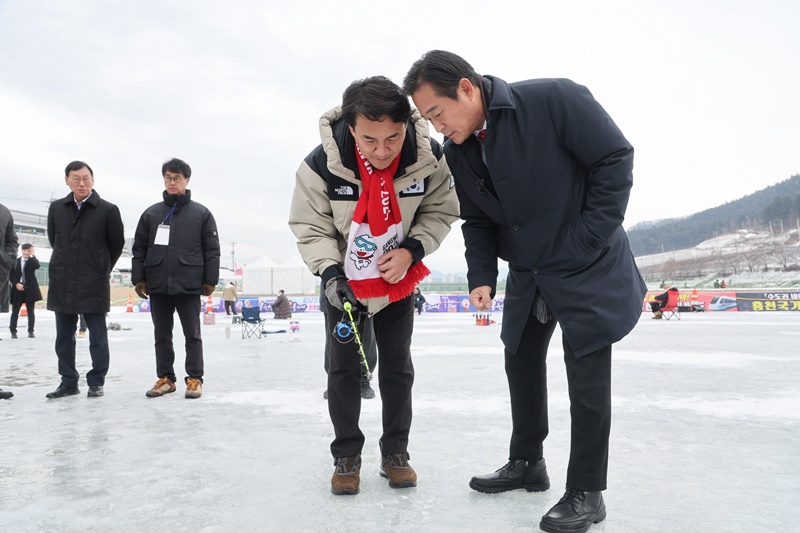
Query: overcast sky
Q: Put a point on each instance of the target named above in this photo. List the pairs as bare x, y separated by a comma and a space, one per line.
707, 92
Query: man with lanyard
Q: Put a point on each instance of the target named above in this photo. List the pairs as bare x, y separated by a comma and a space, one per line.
543, 176
369, 203
176, 259
87, 238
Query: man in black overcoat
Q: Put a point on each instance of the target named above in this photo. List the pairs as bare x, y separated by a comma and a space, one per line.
543, 176
87, 238
8, 254
24, 289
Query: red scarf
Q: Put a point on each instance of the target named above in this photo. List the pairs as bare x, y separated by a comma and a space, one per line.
377, 228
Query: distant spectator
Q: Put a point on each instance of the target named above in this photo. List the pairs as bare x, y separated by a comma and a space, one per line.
25, 289
419, 300
660, 302
716, 284
722, 284
282, 307
229, 296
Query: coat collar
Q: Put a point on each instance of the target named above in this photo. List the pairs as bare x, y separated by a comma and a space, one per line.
92, 200
498, 94
180, 199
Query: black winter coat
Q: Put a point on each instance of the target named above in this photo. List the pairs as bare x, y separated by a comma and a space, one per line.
551, 203
192, 257
32, 293
8, 243
86, 245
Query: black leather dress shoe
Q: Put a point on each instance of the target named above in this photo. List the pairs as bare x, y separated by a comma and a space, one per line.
13, 335
5, 394
516, 474
63, 391
31, 335
95, 391
575, 512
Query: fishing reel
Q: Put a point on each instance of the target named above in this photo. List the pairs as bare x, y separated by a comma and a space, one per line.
343, 331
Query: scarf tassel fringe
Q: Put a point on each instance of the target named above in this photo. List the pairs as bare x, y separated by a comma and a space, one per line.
377, 288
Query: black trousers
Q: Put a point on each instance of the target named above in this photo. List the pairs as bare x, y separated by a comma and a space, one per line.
5, 294
366, 330
162, 309
393, 326
589, 383
230, 307
30, 307
98, 348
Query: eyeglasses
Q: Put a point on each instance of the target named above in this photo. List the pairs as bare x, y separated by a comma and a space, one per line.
87, 179
174, 179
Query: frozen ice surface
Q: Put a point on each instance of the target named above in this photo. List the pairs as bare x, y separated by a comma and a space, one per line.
705, 435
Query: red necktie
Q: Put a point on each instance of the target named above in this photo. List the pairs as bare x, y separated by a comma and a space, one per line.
482, 136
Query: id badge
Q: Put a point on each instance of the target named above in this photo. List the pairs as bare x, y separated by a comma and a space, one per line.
162, 235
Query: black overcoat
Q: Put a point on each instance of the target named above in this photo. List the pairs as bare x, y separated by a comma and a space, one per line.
32, 293
561, 173
86, 245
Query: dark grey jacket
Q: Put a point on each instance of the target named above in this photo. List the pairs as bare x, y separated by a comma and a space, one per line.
551, 203
192, 257
86, 245
8, 243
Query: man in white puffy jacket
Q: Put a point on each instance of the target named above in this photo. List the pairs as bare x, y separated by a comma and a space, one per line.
369, 204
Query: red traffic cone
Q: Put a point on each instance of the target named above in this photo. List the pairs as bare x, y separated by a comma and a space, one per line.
130, 304
23, 311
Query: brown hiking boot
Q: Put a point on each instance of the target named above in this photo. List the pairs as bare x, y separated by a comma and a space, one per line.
162, 387
346, 477
657, 315
395, 467
194, 388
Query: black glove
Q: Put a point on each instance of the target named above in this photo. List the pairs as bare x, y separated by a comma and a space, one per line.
208, 289
338, 291
141, 290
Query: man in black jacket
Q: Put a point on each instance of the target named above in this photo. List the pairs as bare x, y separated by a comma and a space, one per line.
543, 176
8, 253
175, 260
87, 238
24, 289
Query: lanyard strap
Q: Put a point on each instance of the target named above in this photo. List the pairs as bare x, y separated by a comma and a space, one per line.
169, 215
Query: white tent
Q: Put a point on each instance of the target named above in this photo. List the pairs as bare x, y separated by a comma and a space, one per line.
265, 277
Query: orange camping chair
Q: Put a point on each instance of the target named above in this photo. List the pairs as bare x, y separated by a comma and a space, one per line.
671, 309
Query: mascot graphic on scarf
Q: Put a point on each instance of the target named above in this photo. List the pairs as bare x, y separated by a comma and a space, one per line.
364, 251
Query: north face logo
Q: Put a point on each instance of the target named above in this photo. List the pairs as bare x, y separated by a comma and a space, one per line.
344, 190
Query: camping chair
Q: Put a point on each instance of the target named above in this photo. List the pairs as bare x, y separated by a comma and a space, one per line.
252, 323
671, 309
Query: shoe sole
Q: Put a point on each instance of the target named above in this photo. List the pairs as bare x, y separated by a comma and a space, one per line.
192, 397
156, 395
530, 487
403, 485
94, 394
49, 397
550, 528
345, 492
